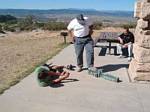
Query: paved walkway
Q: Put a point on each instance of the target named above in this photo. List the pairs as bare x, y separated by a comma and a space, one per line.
82, 93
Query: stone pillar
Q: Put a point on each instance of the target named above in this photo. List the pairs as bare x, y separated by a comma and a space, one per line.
139, 68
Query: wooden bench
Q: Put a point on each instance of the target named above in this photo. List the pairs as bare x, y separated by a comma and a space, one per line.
110, 37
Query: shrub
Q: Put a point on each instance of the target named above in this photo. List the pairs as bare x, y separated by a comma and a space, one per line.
40, 25
97, 25
0, 27
129, 25
7, 18
9, 27
55, 26
27, 23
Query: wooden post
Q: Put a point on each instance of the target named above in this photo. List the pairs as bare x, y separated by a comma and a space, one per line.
65, 39
64, 34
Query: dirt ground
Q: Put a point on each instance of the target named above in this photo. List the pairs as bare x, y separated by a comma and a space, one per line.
21, 52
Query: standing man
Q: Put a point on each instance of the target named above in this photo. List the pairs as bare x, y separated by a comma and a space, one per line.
80, 30
126, 41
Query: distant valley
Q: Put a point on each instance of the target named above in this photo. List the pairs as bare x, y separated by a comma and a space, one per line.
66, 15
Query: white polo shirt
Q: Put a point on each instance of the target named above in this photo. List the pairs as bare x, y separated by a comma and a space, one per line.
78, 29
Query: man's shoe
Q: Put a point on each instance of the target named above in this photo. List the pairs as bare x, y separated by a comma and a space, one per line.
121, 56
129, 59
79, 69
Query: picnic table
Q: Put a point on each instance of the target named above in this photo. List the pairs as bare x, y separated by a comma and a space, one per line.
110, 37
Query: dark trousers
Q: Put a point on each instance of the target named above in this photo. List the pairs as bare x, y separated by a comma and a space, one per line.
88, 44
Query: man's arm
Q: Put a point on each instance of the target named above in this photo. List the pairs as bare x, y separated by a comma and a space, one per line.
71, 35
120, 40
63, 76
71, 29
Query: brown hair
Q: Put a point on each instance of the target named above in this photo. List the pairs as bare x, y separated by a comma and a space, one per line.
42, 75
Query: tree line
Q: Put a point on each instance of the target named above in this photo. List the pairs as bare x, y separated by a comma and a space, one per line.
29, 23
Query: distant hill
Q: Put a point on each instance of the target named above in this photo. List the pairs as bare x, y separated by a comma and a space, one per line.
67, 14
24, 12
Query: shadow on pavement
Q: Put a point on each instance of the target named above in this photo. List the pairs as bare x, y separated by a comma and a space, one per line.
113, 67
62, 83
57, 85
103, 50
69, 80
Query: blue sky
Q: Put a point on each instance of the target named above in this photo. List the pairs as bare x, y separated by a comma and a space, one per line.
63, 4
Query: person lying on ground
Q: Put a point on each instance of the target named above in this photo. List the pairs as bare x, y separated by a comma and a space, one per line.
48, 75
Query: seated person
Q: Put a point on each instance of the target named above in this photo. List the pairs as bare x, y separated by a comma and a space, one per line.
48, 75
126, 41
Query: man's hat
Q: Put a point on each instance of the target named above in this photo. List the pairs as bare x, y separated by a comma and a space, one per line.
80, 17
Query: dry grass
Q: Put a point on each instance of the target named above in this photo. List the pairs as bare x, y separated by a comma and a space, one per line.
20, 53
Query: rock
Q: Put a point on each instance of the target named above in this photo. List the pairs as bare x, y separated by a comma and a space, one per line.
142, 24
137, 76
147, 1
145, 10
137, 9
146, 32
141, 67
142, 55
142, 77
137, 34
143, 40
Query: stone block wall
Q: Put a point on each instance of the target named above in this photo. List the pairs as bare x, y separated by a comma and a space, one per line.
139, 68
